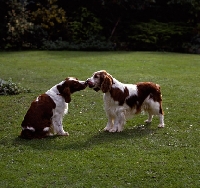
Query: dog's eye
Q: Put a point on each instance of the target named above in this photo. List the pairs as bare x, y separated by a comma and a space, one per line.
96, 76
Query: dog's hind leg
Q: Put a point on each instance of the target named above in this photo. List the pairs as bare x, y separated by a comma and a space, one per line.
161, 116
161, 124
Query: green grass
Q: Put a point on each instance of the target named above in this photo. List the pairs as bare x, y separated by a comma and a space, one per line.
138, 157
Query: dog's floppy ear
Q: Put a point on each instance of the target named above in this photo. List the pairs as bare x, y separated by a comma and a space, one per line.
107, 83
67, 95
65, 92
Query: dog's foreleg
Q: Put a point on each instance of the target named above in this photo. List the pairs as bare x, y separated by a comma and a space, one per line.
109, 123
119, 123
57, 125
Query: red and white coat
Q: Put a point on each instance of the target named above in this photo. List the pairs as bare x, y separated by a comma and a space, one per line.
122, 101
45, 115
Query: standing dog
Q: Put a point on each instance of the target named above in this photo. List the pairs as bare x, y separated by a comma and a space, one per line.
45, 114
123, 100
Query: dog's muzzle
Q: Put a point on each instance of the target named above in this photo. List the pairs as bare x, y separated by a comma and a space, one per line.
89, 83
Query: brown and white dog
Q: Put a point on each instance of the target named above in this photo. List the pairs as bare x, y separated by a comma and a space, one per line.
124, 100
45, 115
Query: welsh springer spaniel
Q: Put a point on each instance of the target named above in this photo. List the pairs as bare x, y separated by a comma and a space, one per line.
123, 100
45, 115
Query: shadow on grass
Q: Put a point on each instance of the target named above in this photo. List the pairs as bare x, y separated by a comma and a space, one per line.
101, 137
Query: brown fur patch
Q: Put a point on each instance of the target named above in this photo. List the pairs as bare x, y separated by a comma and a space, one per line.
106, 81
132, 101
65, 92
38, 117
74, 85
119, 95
145, 89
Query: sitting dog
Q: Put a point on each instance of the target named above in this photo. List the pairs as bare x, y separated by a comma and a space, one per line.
123, 100
45, 115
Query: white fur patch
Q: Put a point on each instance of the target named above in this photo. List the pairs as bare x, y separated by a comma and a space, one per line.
46, 129
30, 128
71, 78
66, 108
132, 88
151, 106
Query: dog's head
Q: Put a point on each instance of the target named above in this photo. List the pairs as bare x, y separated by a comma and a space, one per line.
69, 86
100, 80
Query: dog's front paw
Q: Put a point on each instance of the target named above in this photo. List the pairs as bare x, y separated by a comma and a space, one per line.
113, 130
161, 125
66, 134
50, 134
107, 128
63, 134
147, 121
119, 130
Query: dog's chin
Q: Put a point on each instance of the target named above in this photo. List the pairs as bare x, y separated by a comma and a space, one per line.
91, 86
96, 89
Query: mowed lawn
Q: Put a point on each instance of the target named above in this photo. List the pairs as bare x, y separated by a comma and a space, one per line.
140, 156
